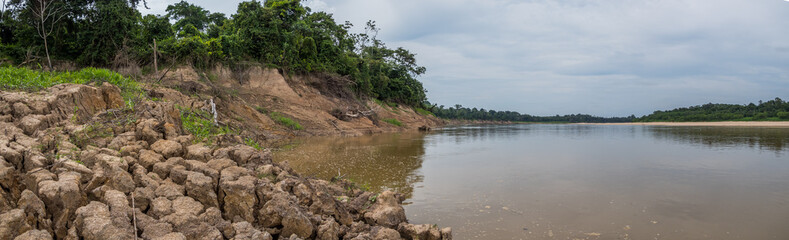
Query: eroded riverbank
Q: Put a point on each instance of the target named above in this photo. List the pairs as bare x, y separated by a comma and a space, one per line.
75, 163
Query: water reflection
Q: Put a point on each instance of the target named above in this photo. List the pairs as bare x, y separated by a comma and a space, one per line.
387, 161
773, 139
573, 181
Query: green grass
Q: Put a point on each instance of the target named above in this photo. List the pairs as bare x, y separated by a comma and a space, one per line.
200, 124
23, 79
393, 122
423, 112
281, 119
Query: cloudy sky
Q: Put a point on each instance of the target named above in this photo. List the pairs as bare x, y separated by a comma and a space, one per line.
607, 58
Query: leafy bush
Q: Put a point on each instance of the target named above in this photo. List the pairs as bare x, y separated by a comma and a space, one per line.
281, 119
195, 50
393, 122
200, 124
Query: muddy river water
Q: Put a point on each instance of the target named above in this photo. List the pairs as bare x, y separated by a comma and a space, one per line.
536, 181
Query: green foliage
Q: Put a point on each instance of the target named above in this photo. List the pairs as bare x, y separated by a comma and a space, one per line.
252, 143
105, 31
195, 50
187, 14
393, 122
155, 27
281, 33
773, 110
373, 198
201, 125
281, 119
24, 79
261, 110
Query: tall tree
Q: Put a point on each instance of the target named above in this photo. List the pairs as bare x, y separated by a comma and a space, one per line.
185, 13
47, 13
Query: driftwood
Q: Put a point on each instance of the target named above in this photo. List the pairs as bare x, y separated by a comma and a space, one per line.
347, 115
360, 114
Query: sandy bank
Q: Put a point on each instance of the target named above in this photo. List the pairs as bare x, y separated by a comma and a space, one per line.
701, 124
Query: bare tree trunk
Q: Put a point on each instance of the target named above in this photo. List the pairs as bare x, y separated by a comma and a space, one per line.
155, 53
46, 49
47, 16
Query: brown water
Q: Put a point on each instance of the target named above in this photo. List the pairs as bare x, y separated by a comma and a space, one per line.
574, 181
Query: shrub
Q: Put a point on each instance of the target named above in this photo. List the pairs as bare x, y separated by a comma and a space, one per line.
200, 124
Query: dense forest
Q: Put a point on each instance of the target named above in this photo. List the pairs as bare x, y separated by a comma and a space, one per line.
464, 113
277, 33
773, 110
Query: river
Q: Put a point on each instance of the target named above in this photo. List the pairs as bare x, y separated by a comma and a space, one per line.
542, 181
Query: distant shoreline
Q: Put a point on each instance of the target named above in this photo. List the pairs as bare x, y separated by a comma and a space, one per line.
701, 124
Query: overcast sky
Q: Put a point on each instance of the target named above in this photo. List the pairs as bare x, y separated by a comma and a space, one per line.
606, 58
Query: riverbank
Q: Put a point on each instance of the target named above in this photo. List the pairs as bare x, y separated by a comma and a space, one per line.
78, 162
701, 124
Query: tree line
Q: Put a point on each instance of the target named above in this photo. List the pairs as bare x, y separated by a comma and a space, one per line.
772, 110
278, 33
464, 113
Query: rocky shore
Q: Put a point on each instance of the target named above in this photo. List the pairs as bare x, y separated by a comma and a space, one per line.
77, 163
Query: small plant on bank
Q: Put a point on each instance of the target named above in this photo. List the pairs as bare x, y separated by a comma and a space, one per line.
391, 104
200, 124
269, 176
281, 119
85, 136
261, 110
252, 143
373, 198
393, 122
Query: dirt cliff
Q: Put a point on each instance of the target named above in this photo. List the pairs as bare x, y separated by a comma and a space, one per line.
77, 162
321, 104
